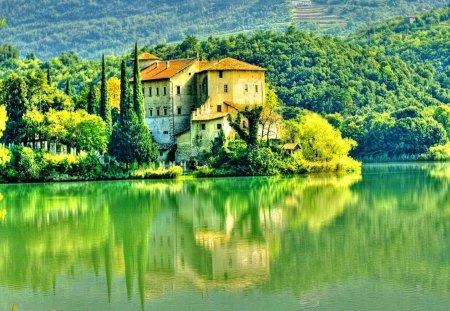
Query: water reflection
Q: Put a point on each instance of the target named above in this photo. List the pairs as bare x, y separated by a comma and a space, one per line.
270, 234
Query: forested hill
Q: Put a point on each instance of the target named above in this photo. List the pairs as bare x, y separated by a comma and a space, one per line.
426, 38
92, 27
49, 27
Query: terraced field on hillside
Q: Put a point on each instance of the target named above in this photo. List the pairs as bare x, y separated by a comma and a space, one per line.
314, 14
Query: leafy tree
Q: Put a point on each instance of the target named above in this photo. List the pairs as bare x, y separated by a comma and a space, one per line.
114, 93
4, 157
76, 129
319, 140
105, 103
270, 116
8, 52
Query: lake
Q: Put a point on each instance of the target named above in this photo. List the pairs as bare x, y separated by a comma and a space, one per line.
379, 241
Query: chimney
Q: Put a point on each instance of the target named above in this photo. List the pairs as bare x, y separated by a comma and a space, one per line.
167, 64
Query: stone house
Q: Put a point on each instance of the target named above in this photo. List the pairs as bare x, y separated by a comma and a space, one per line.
187, 101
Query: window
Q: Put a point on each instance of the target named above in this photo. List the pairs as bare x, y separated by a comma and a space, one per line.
165, 91
246, 87
219, 108
225, 88
203, 127
157, 91
165, 111
178, 90
179, 110
256, 89
150, 91
219, 126
151, 112
157, 111
221, 74
143, 91
166, 132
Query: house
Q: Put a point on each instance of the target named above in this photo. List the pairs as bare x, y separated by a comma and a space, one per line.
291, 148
187, 101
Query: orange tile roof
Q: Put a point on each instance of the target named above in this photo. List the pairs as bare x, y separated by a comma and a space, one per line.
148, 56
164, 70
228, 64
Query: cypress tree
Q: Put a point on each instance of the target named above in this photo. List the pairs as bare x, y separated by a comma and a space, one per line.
68, 90
16, 102
105, 103
92, 101
130, 140
126, 108
138, 97
49, 77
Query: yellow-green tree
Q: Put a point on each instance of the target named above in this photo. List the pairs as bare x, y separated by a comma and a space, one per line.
114, 92
4, 154
270, 116
319, 140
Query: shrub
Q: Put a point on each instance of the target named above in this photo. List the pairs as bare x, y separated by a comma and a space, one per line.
170, 173
437, 153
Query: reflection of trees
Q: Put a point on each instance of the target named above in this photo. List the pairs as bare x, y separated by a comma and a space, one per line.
398, 231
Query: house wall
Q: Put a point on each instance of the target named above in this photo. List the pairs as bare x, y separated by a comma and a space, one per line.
201, 140
165, 126
184, 149
244, 87
160, 126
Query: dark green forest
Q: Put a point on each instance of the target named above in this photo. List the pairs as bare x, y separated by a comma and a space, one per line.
49, 27
423, 39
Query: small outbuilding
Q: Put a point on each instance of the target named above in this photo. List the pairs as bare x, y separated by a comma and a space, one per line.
292, 148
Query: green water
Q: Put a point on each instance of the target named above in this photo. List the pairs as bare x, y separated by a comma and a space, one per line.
380, 241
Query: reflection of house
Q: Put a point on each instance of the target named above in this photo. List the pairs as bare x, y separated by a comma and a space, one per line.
187, 100
181, 254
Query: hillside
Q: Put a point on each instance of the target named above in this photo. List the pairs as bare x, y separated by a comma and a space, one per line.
426, 38
92, 27
49, 27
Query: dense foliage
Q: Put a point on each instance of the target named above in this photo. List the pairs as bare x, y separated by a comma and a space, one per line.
425, 38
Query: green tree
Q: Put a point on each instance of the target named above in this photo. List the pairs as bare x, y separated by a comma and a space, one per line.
130, 140
138, 97
319, 140
49, 77
67, 88
105, 103
14, 96
92, 104
8, 52
248, 133
4, 153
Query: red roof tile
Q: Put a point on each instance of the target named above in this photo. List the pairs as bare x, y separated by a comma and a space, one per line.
164, 70
228, 64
